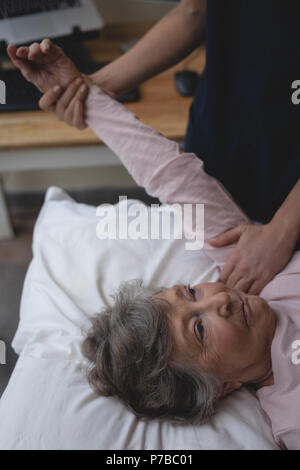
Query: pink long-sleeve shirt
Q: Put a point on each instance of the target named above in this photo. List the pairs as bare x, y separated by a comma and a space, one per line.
166, 172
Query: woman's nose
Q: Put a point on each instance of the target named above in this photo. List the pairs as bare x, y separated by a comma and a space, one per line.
225, 305
220, 304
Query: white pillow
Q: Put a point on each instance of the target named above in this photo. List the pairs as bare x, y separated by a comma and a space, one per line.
48, 403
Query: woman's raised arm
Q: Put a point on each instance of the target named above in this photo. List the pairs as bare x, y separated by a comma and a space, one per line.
156, 163
160, 165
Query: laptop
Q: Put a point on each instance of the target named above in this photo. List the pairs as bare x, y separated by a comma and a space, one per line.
25, 21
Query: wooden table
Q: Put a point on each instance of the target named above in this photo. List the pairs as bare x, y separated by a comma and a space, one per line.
37, 140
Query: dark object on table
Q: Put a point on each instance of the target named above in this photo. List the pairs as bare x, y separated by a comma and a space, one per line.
129, 97
186, 82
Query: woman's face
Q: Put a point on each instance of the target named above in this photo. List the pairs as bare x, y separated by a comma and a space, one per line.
222, 330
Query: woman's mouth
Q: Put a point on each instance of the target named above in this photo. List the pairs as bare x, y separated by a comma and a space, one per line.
245, 314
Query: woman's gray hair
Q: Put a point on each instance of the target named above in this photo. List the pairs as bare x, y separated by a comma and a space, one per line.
131, 352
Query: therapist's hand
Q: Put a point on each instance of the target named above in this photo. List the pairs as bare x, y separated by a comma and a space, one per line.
261, 252
45, 64
68, 104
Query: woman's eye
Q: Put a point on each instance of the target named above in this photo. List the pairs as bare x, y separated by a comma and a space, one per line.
201, 331
191, 290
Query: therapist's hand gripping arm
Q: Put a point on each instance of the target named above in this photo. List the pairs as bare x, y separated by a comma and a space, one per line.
262, 251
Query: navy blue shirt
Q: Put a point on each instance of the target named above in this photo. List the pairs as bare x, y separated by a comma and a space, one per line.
243, 124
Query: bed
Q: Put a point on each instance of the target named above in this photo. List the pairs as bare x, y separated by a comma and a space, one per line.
48, 403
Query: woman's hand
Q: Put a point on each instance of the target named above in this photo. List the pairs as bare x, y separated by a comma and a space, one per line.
261, 252
45, 64
47, 67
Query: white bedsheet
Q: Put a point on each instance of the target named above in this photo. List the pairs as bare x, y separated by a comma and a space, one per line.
48, 403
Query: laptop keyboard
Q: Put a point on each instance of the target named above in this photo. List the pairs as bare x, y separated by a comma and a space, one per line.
14, 8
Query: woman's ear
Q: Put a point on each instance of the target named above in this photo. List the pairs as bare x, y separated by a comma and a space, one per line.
229, 387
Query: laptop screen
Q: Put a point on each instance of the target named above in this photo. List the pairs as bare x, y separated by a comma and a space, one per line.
23, 21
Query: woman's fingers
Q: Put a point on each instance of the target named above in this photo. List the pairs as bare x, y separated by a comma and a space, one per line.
35, 52
22, 52
22, 65
49, 99
12, 53
46, 45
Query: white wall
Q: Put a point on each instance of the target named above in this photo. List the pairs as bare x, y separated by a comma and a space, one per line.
113, 11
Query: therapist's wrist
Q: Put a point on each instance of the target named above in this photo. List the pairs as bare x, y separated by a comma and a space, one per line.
90, 83
103, 81
286, 226
87, 80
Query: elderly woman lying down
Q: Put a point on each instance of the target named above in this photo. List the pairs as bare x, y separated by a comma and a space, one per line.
175, 352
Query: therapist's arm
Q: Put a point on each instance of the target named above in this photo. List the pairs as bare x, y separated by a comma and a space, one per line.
262, 251
288, 215
165, 44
